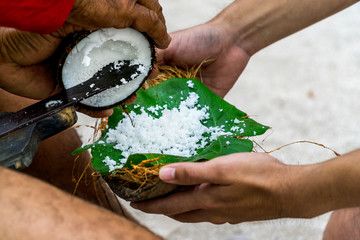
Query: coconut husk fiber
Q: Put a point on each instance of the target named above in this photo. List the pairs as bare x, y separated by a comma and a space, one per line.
143, 183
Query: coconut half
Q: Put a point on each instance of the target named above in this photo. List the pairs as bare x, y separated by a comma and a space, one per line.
100, 48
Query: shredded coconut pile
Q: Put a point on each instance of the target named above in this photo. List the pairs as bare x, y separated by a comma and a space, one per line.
178, 131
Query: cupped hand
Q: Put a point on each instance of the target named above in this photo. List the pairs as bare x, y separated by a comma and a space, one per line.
211, 42
233, 188
143, 15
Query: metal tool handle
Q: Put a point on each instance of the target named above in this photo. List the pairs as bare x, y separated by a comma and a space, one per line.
18, 148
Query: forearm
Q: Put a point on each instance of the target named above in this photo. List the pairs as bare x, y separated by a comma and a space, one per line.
31, 209
255, 24
326, 186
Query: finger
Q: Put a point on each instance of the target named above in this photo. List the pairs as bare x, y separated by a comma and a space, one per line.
154, 72
200, 216
169, 55
107, 112
35, 82
96, 114
67, 29
11, 103
130, 99
160, 56
146, 20
204, 196
194, 173
174, 204
191, 217
155, 6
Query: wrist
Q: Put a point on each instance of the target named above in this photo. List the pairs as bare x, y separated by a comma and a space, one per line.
306, 193
76, 10
319, 188
250, 23
255, 24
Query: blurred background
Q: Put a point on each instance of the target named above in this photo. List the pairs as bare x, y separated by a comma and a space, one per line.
306, 87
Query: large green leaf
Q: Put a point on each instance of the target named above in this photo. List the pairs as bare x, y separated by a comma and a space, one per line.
171, 93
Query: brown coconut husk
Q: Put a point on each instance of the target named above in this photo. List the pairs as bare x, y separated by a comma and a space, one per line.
141, 182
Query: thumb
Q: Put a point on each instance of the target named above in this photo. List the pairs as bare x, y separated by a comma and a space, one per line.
191, 173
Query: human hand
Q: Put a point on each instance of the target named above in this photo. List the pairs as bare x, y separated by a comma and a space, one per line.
212, 42
143, 15
234, 188
25, 68
25, 65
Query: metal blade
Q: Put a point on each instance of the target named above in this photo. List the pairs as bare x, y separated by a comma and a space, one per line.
108, 77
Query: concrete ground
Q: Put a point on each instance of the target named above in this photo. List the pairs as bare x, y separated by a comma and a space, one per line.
306, 87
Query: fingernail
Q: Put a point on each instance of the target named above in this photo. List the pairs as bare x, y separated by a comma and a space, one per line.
167, 173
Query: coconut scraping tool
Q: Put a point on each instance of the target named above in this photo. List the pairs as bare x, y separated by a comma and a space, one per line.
22, 131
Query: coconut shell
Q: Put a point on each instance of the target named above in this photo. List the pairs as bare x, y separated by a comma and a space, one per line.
70, 42
145, 192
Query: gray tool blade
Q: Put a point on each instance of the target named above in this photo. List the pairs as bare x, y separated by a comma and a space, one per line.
109, 76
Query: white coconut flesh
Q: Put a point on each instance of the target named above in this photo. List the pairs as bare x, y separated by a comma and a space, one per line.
99, 49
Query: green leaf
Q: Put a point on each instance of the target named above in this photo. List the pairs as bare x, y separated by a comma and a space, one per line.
171, 93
